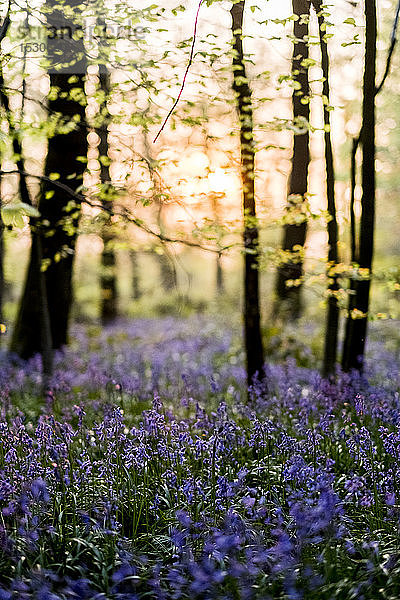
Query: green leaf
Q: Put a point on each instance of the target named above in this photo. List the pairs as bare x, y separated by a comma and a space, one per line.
13, 214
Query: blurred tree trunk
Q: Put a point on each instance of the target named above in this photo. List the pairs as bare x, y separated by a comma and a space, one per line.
1, 261
168, 274
136, 291
32, 330
288, 301
35, 276
4, 29
220, 284
242, 91
219, 273
59, 215
36, 313
357, 320
108, 278
215, 198
332, 317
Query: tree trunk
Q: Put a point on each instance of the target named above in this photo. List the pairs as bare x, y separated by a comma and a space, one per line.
108, 281
35, 275
168, 274
136, 291
242, 91
356, 326
219, 273
288, 301
58, 215
35, 312
108, 278
1, 263
332, 317
219, 276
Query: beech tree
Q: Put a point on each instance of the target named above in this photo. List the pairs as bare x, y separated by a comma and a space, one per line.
288, 302
3, 33
108, 275
1, 264
243, 100
134, 260
363, 244
333, 311
58, 215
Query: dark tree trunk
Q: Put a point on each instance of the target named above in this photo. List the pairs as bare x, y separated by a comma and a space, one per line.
219, 276
58, 215
219, 273
354, 253
1, 263
242, 91
136, 291
356, 326
288, 301
4, 27
332, 317
34, 331
108, 279
168, 274
59, 246
108, 283
35, 275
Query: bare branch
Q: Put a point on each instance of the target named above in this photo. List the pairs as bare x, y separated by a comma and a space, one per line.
123, 212
393, 41
6, 23
185, 75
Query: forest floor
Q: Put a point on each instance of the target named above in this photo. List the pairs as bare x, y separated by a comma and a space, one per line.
147, 473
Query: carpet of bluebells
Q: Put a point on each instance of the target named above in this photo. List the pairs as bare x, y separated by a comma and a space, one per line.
147, 473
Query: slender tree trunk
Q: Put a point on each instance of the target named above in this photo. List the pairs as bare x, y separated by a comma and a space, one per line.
220, 285
35, 275
168, 274
242, 91
59, 246
356, 326
58, 215
108, 279
294, 235
219, 273
136, 291
4, 28
1, 262
354, 254
332, 317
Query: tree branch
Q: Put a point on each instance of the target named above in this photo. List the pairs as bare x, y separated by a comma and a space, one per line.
393, 41
185, 75
123, 213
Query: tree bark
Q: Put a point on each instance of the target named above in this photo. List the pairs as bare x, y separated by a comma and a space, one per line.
136, 291
1, 262
219, 272
32, 329
168, 274
35, 275
289, 302
108, 278
58, 215
242, 91
220, 285
332, 317
357, 320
